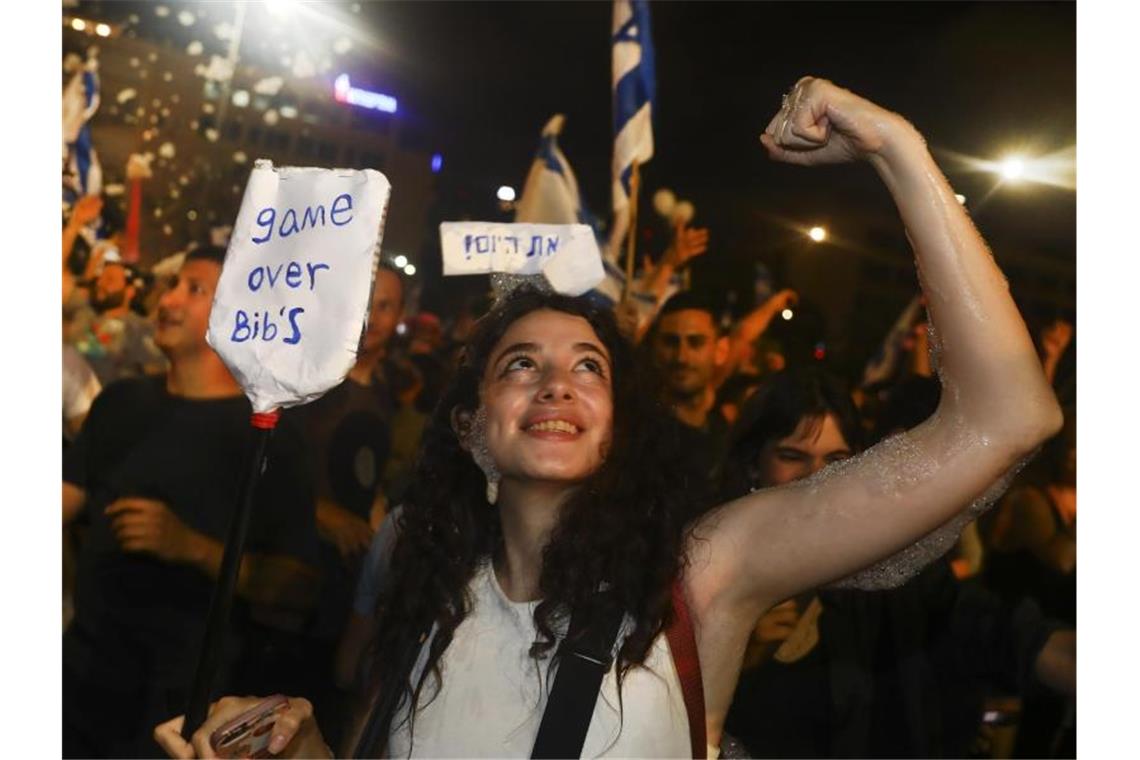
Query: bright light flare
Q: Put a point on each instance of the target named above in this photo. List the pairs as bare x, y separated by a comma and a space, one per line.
506, 193
410, 270
818, 234
102, 30
1058, 169
786, 314
280, 8
78, 24
400, 261
1012, 168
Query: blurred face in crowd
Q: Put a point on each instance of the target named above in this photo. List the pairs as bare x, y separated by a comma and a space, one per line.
815, 443
548, 399
685, 347
184, 310
384, 315
112, 288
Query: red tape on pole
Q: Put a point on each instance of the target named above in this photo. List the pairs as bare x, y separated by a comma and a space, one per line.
265, 420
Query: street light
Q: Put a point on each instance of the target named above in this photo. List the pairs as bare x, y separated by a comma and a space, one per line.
410, 270
506, 193
400, 261
1024, 165
78, 24
786, 314
818, 234
102, 30
1012, 168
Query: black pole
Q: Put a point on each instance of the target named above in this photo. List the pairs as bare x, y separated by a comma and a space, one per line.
222, 600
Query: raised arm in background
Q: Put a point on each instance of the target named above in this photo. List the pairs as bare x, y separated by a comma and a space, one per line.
85, 210
751, 327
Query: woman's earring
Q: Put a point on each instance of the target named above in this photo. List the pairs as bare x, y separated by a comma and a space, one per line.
481, 454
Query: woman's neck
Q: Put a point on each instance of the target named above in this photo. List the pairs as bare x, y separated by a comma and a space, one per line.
528, 513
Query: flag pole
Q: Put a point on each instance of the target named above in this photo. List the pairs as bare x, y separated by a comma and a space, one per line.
631, 241
213, 641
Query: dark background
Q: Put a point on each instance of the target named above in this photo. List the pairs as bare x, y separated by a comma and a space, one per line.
477, 81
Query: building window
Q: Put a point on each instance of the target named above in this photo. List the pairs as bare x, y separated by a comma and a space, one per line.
232, 130
371, 159
326, 152
306, 147
276, 140
205, 122
367, 120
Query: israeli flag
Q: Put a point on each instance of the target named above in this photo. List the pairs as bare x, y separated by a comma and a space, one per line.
550, 194
635, 89
80, 102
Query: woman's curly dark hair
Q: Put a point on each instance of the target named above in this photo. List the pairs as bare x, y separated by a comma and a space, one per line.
622, 529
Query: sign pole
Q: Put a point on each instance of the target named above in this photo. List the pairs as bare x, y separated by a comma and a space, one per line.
221, 601
631, 241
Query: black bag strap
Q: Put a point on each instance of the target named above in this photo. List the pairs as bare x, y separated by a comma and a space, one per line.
584, 658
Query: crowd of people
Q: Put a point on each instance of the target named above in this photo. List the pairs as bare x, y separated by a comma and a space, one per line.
467, 499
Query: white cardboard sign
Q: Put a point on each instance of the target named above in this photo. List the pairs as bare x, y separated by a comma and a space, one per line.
567, 254
294, 293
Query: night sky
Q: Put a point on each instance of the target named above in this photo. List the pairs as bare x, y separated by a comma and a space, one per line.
976, 78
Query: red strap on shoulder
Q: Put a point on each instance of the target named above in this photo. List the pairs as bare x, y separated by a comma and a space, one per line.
684, 647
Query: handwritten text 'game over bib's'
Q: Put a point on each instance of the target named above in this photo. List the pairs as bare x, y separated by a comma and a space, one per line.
292, 275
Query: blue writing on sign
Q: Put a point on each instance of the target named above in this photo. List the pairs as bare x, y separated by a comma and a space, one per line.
260, 324
266, 274
266, 221
509, 244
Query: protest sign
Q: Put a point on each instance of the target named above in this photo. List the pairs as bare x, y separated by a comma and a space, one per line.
566, 254
294, 293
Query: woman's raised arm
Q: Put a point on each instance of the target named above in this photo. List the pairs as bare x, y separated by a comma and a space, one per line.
996, 406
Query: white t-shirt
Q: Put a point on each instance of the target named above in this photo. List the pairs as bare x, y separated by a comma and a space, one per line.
493, 692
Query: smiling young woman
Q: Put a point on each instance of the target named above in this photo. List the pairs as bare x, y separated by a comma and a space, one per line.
584, 514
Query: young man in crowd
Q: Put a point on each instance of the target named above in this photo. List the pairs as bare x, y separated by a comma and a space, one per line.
688, 349
154, 472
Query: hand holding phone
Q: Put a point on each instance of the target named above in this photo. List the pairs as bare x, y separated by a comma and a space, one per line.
248, 734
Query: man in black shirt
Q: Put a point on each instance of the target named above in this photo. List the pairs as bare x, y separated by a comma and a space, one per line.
155, 471
688, 348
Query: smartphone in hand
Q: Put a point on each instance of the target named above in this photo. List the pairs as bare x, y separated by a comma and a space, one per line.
248, 734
